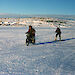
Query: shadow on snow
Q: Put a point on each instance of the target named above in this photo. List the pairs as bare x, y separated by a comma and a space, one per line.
54, 41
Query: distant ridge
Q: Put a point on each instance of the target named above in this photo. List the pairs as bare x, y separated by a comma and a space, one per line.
62, 17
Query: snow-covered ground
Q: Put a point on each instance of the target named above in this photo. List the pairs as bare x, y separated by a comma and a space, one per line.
49, 59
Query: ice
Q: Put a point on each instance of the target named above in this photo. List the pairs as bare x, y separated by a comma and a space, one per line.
48, 59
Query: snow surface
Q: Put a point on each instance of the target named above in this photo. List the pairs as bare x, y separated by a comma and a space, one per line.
49, 59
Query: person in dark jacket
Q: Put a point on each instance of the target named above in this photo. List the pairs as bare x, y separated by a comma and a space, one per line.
31, 33
58, 32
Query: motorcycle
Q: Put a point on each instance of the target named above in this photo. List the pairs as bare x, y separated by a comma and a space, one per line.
29, 39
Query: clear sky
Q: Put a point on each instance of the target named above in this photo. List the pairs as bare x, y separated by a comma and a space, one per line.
63, 7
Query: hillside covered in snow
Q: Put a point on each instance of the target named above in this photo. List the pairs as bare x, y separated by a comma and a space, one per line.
46, 59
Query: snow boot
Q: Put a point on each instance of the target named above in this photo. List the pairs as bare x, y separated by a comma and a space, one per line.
55, 38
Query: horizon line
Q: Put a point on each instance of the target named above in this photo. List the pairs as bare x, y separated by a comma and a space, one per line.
13, 14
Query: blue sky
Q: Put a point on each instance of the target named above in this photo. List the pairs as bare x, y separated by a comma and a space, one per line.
65, 7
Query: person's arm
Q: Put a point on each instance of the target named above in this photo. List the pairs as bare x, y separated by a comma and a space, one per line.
28, 32
56, 30
33, 31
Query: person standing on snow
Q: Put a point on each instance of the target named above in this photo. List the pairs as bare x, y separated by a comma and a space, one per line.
58, 32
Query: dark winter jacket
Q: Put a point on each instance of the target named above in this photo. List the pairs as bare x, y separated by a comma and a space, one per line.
58, 31
32, 32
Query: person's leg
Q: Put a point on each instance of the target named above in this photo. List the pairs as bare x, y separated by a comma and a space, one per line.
33, 39
56, 36
59, 36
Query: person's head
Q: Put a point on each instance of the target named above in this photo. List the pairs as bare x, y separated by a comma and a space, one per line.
30, 27
57, 27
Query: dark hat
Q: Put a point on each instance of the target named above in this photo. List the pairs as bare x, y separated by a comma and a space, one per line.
30, 26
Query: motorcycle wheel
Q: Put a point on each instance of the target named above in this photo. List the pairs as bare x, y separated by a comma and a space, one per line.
27, 42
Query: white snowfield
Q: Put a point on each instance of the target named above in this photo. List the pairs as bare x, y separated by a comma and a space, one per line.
35, 21
47, 59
